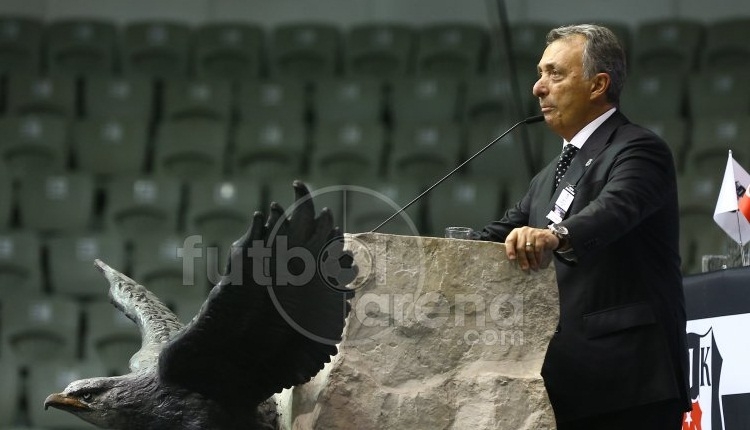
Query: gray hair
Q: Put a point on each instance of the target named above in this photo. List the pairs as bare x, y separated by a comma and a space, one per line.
602, 53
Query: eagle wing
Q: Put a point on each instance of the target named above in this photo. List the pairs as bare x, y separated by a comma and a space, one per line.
155, 321
271, 322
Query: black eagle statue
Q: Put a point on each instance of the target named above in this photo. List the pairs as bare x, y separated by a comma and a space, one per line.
256, 334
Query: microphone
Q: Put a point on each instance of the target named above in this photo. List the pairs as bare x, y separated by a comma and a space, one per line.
529, 120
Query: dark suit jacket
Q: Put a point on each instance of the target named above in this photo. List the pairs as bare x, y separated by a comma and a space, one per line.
621, 338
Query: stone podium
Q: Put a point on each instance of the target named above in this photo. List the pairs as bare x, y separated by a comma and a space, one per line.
443, 334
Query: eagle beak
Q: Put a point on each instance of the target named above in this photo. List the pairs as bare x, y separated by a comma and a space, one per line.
61, 401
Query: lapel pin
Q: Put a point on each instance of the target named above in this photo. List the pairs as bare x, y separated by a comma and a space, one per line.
588, 163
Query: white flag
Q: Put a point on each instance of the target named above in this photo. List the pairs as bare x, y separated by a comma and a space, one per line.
727, 214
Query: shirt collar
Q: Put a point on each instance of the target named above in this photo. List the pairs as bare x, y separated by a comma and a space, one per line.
582, 136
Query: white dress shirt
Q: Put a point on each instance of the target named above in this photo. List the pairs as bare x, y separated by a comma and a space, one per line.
582, 136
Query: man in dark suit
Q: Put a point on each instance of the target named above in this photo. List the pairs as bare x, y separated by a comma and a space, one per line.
618, 359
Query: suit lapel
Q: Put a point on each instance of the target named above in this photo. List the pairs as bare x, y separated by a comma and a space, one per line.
593, 146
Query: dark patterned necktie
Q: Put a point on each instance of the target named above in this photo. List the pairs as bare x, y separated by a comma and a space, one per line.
569, 151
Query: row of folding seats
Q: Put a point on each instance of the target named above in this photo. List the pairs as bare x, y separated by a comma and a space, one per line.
148, 226
47, 342
146, 222
666, 94
648, 94
337, 151
240, 50
307, 49
204, 148
406, 99
42, 328
654, 95
24, 389
341, 151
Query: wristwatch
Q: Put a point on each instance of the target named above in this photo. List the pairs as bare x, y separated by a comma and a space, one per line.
562, 235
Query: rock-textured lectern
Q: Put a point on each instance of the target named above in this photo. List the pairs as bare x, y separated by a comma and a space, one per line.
443, 334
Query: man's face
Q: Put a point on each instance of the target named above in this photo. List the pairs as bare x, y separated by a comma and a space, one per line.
565, 96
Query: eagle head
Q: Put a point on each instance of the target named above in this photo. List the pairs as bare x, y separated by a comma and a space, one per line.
95, 400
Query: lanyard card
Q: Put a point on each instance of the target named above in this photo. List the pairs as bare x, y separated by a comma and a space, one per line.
562, 204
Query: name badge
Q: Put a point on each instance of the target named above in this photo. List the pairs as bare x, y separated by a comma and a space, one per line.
562, 204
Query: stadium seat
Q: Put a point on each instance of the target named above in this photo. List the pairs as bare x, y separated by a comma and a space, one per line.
176, 267
528, 41
81, 46
20, 44
197, 99
725, 47
109, 97
697, 198
277, 100
424, 99
719, 93
654, 95
620, 29
42, 95
504, 160
519, 87
490, 98
108, 147
70, 197
424, 152
192, 149
358, 99
71, 263
383, 50
7, 200
464, 203
266, 149
450, 49
187, 308
40, 328
143, 206
348, 151
697, 193
158, 49
305, 50
369, 203
10, 391
675, 132
47, 378
221, 211
711, 141
326, 193
668, 44
230, 51
33, 144
111, 337
20, 263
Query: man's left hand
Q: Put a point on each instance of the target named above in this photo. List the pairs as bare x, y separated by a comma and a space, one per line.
531, 247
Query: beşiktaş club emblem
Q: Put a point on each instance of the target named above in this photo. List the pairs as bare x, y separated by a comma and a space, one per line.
705, 374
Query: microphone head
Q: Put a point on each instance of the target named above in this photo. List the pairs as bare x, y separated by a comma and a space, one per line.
533, 119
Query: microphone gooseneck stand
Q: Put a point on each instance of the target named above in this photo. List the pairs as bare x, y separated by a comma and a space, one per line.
529, 120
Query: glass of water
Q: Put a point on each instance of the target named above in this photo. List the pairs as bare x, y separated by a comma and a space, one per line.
458, 232
710, 263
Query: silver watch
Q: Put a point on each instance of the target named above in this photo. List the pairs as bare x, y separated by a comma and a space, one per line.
562, 234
